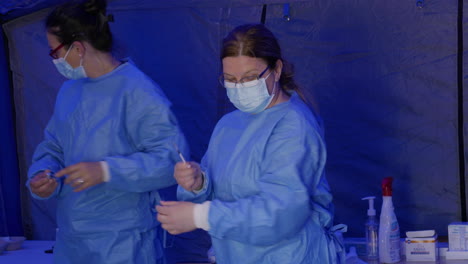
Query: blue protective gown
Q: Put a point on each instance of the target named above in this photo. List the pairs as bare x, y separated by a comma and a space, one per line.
122, 118
270, 200
190, 247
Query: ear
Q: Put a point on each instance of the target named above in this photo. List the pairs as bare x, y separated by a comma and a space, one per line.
278, 69
79, 47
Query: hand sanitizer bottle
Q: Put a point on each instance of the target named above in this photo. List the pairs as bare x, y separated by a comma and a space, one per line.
389, 230
372, 229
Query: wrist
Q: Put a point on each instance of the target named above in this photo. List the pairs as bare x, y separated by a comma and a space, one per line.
201, 181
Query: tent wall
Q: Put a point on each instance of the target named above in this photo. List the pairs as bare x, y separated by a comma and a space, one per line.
10, 212
383, 75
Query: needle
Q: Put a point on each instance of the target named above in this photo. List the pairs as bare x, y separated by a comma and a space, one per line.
180, 154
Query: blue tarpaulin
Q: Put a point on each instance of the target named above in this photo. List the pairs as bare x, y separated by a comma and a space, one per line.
386, 77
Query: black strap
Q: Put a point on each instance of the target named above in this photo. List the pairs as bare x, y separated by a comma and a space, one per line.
264, 9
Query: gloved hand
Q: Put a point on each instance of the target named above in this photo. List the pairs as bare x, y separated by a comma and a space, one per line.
176, 217
41, 185
82, 175
188, 175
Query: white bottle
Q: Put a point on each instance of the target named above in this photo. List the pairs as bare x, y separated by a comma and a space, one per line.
389, 231
372, 229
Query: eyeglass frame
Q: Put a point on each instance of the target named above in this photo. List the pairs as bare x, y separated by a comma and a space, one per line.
221, 78
53, 52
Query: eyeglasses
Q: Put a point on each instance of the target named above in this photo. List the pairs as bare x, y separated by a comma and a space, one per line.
245, 82
53, 52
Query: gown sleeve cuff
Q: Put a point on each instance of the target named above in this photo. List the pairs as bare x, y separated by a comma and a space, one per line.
106, 172
200, 215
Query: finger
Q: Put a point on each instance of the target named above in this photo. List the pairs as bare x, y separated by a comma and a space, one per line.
54, 184
68, 170
173, 231
195, 165
189, 166
47, 187
75, 178
82, 187
164, 210
169, 203
166, 227
183, 165
163, 219
185, 182
43, 174
196, 185
38, 182
78, 181
188, 173
182, 173
40, 175
161, 210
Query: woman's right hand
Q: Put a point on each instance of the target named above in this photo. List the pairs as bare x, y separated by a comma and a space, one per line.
188, 175
41, 185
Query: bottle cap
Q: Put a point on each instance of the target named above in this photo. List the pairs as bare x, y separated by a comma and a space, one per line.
371, 210
387, 186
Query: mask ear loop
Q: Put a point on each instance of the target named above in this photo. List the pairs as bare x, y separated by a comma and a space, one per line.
274, 87
273, 90
66, 54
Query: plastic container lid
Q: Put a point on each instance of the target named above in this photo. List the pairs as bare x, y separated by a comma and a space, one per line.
387, 186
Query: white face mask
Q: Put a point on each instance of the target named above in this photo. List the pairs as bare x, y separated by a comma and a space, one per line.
250, 97
67, 70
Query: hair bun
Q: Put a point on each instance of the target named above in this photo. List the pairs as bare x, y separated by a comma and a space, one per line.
95, 6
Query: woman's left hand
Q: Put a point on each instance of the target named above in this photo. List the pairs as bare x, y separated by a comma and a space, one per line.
82, 175
176, 217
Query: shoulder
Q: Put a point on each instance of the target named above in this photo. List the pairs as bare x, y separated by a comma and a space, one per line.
129, 72
230, 117
70, 88
300, 111
139, 86
299, 119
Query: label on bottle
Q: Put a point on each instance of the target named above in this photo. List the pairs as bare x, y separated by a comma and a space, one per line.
390, 244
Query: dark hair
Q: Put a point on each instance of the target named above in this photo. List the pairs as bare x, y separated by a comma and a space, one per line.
257, 41
82, 21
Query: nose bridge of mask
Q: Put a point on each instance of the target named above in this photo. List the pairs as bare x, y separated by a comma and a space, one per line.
251, 91
246, 84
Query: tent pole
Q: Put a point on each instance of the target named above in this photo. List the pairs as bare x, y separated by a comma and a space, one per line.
461, 140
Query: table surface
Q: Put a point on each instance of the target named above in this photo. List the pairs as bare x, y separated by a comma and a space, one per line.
441, 260
33, 252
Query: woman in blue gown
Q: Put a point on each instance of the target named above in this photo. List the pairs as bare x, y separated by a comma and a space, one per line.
260, 190
110, 143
